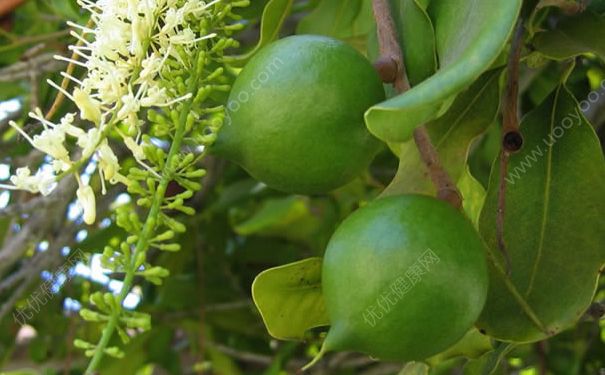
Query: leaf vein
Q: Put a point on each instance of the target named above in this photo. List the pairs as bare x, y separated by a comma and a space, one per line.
546, 198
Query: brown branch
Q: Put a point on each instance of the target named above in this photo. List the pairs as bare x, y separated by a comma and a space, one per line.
391, 57
61, 233
253, 358
446, 188
596, 311
24, 69
23, 41
65, 83
541, 353
391, 62
512, 140
199, 255
7, 6
35, 204
69, 340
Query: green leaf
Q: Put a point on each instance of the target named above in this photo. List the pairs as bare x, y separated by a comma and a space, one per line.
417, 37
67, 8
570, 6
574, 36
289, 299
597, 6
489, 363
179, 292
469, 37
472, 345
348, 20
275, 216
98, 239
11, 90
274, 16
294, 218
553, 225
452, 134
473, 195
415, 368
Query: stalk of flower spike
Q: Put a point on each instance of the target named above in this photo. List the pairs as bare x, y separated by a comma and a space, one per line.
189, 54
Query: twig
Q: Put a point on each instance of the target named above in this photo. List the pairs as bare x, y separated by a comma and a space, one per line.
390, 64
71, 332
70, 69
23, 69
9, 116
391, 61
7, 6
541, 352
512, 140
254, 358
60, 234
382, 369
34, 39
7, 306
228, 306
446, 188
35, 204
596, 311
199, 255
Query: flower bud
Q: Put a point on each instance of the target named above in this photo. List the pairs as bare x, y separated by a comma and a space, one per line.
86, 199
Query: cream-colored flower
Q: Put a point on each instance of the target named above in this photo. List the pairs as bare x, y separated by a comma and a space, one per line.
156, 96
66, 126
50, 141
42, 182
86, 199
108, 161
89, 141
128, 54
130, 105
90, 109
135, 148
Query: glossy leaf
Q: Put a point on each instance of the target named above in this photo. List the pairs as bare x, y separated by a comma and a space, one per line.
568, 6
452, 134
11, 90
289, 299
473, 195
295, 218
349, 20
417, 37
274, 16
489, 363
575, 36
67, 8
469, 38
275, 215
597, 6
472, 345
553, 226
414, 368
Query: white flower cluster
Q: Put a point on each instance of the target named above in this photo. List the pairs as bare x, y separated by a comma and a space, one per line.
126, 54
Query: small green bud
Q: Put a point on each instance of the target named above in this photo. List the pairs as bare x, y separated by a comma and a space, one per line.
169, 247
